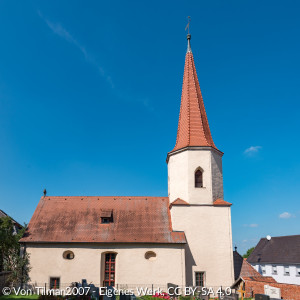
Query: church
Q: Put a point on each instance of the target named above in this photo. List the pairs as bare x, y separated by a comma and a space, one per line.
183, 239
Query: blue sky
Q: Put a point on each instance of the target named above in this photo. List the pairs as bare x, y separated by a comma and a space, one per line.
90, 95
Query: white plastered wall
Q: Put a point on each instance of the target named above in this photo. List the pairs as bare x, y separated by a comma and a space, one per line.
46, 260
181, 172
209, 237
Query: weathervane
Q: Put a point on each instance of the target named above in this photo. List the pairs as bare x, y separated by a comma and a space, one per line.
188, 24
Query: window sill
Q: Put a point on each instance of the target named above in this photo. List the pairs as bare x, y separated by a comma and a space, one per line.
286, 274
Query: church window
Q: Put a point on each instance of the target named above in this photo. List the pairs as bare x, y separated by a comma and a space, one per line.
54, 283
263, 269
199, 178
110, 269
68, 254
274, 270
298, 271
150, 255
199, 278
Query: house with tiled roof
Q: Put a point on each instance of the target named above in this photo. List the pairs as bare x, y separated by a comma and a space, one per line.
183, 239
16, 228
16, 225
278, 257
251, 282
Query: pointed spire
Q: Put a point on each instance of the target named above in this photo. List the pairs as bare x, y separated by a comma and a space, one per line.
189, 49
193, 128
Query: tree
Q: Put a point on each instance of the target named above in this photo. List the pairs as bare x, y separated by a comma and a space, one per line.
249, 251
12, 254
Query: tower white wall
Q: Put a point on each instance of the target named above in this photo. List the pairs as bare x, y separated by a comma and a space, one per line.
207, 227
181, 175
209, 243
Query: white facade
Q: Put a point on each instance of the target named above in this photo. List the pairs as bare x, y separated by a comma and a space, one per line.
207, 227
132, 267
281, 273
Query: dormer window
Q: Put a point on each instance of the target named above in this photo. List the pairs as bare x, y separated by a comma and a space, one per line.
199, 178
106, 216
105, 220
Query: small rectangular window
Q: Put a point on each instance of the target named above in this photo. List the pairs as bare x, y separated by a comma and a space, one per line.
286, 270
298, 271
263, 269
199, 278
106, 216
274, 270
54, 283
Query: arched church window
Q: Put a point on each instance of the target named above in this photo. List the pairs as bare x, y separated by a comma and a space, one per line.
110, 269
199, 178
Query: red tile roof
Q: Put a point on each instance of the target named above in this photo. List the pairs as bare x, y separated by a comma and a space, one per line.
193, 128
179, 201
268, 279
78, 219
221, 202
248, 271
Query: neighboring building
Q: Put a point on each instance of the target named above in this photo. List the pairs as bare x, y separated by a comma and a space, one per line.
16, 227
278, 257
252, 283
184, 239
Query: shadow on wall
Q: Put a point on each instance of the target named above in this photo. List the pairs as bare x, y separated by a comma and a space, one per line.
189, 263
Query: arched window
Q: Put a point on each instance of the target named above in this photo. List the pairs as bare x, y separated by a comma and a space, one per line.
199, 178
110, 269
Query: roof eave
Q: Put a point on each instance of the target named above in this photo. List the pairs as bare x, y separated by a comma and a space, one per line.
193, 148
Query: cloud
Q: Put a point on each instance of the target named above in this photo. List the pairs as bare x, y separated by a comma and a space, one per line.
59, 30
286, 215
252, 150
251, 225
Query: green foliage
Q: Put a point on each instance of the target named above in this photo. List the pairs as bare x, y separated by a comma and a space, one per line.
249, 251
10, 252
15, 297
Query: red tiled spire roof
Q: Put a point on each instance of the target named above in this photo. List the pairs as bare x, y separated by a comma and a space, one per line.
193, 128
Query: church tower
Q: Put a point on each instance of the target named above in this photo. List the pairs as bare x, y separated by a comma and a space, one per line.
195, 187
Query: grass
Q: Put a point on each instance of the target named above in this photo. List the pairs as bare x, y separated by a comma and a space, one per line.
15, 297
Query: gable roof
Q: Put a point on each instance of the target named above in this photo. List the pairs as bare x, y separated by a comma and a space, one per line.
281, 249
78, 219
237, 264
243, 271
193, 127
248, 271
3, 215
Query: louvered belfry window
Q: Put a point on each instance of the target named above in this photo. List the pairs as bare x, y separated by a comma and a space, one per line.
199, 179
110, 269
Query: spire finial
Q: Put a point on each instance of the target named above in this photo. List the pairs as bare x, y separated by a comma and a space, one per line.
189, 49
